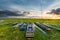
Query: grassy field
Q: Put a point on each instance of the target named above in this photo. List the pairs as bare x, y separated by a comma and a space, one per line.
9, 33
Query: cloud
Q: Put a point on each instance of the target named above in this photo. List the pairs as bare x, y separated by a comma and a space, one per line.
54, 5
34, 9
9, 13
43, 1
20, 7
15, 7
32, 6
55, 11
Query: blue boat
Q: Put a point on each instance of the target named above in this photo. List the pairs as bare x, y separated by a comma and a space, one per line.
23, 26
30, 31
30, 28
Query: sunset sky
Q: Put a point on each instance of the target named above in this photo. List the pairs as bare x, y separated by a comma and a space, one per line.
33, 6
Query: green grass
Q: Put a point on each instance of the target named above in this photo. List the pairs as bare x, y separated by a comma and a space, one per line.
9, 33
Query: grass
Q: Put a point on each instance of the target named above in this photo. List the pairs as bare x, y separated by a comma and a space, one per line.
9, 33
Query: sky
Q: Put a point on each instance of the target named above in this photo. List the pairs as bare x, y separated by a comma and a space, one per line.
34, 6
